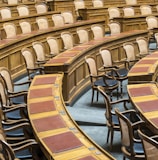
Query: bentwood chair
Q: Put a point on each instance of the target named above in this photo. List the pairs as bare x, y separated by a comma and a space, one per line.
143, 46
130, 54
113, 12
111, 119
150, 145
5, 12
130, 122
23, 10
111, 66
41, 8
83, 35
68, 17
10, 85
98, 31
145, 10
58, 20
31, 67
79, 4
97, 3
114, 27
128, 11
25, 26
109, 83
42, 23
53, 46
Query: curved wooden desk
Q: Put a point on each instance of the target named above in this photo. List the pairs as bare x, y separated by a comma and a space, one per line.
145, 70
59, 136
145, 99
72, 63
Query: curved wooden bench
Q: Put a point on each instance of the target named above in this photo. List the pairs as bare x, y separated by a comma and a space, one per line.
59, 136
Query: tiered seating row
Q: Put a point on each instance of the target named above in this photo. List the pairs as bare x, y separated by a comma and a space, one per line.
57, 132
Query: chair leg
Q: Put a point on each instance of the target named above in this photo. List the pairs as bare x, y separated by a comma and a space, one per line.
97, 95
111, 140
92, 96
108, 134
121, 89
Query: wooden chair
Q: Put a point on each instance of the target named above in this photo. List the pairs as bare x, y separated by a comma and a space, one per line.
83, 35
58, 20
5, 13
130, 122
114, 27
53, 46
150, 145
97, 3
42, 23
10, 29
25, 26
68, 17
98, 31
31, 67
67, 39
131, 2
41, 8
10, 84
12, 2
113, 12
145, 10
110, 84
79, 4
143, 47
41, 55
128, 11
113, 67
111, 118
23, 10
130, 54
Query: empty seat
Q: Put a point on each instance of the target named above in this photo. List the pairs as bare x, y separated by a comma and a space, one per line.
58, 20
10, 30
68, 17
23, 10
83, 35
115, 27
131, 2
42, 23
5, 12
41, 7
97, 3
98, 31
145, 10
128, 11
79, 4
12, 1
25, 26
113, 12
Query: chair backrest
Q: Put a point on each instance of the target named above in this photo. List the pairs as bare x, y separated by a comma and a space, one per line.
108, 107
68, 17
42, 23
142, 45
83, 35
23, 10
150, 146
28, 58
67, 39
152, 22
156, 39
113, 12
39, 51
129, 51
156, 8
126, 132
115, 27
53, 45
5, 12
6, 152
98, 31
12, 1
97, 3
25, 26
58, 20
6, 76
92, 67
41, 8
145, 10
79, 4
128, 11
106, 57
10, 29
131, 2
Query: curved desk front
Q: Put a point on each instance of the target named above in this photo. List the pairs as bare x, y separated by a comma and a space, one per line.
145, 99
59, 136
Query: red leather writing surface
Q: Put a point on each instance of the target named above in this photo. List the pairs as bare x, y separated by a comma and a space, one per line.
58, 60
41, 107
148, 106
139, 69
44, 80
48, 123
87, 158
62, 142
44, 92
141, 91
155, 121
147, 61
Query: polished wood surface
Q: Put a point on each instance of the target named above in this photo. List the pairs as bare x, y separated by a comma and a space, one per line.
145, 99
72, 63
145, 70
58, 134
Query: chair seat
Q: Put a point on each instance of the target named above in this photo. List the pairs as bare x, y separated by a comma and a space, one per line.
123, 72
23, 154
115, 120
